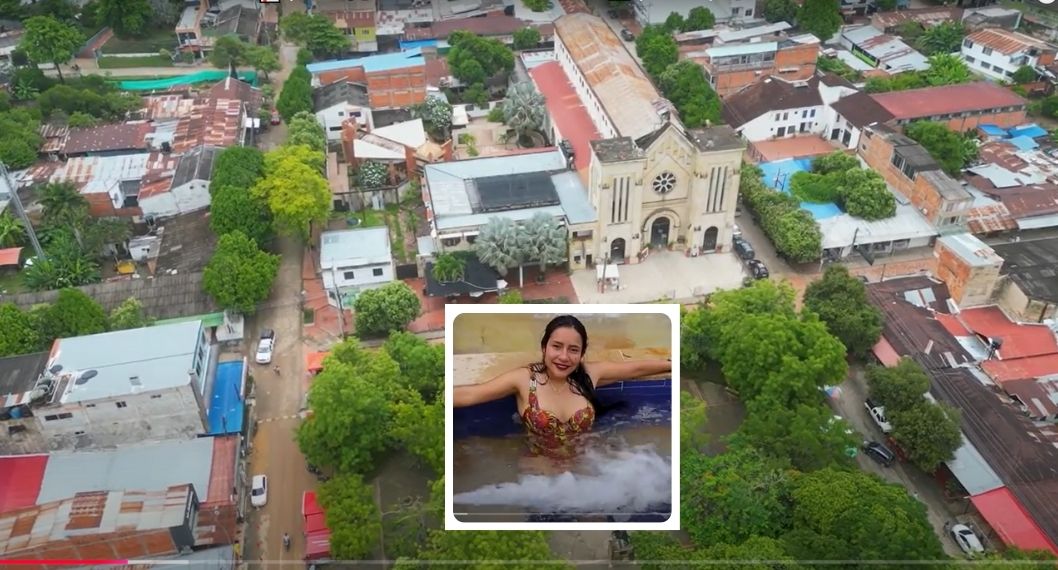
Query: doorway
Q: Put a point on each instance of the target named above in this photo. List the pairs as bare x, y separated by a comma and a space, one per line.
709, 240
617, 250
659, 232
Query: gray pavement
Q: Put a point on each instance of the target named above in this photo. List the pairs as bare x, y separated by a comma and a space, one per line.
663, 275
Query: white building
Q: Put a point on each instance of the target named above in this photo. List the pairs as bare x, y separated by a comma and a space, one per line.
998, 53
355, 259
655, 11
112, 388
337, 102
775, 108
187, 190
849, 115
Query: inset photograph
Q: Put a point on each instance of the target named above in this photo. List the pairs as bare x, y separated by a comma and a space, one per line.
562, 416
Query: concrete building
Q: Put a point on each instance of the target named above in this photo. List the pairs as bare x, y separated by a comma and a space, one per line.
111, 388
655, 11
968, 267
961, 107
354, 260
338, 102
1028, 287
775, 108
356, 20
653, 182
741, 60
885, 52
393, 80
907, 167
405, 146
200, 25
851, 114
998, 53
185, 190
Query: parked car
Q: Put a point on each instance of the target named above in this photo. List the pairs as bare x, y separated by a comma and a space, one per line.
967, 539
757, 269
879, 453
265, 346
743, 249
627, 36
877, 413
259, 491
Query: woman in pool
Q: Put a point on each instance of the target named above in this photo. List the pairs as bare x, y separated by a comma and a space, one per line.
556, 396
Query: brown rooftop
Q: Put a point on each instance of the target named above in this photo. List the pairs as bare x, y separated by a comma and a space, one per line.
909, 305
215, 122
122, 136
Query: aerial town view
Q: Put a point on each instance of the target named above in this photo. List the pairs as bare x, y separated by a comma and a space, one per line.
229, 230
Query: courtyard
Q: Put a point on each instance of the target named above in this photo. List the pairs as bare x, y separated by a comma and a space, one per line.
663, 275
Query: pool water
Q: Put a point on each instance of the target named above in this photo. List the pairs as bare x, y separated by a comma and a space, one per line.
777, 177
625, 474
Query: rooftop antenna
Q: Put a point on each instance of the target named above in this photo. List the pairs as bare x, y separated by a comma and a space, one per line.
12, 190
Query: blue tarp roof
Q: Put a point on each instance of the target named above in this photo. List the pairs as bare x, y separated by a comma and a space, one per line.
418, 44
993, 130
1032, 131
1023, 143
373, 63
226, 404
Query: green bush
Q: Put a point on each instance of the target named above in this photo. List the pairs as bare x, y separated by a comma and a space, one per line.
815, 188
538, 5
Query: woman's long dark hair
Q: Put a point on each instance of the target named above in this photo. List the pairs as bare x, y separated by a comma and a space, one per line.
579, 379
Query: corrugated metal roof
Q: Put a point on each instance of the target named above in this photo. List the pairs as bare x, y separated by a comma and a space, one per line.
447, 182
972, 250
149, 467
972, 470
343, 248
1003, 41
742, 49
372, 63
128, 361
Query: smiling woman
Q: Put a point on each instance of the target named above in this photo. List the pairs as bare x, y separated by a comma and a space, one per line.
558, 400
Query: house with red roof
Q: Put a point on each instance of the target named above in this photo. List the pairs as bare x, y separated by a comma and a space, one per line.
961, 107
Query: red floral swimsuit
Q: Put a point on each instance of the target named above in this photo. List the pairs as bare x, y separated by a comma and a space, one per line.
550, 436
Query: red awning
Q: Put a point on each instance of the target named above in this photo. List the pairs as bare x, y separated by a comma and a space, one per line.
1004, 513
20, 479
885, 353
314, 361
10, 256
318, 545
317, 536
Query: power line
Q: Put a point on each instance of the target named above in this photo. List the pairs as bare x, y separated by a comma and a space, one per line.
12, 190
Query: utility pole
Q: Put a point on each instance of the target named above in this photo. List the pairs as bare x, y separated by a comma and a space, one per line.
12, 191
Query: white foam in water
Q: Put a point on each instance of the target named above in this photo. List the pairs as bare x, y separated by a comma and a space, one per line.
630, 480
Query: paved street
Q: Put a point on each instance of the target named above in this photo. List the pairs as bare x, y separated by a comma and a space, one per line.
664, 274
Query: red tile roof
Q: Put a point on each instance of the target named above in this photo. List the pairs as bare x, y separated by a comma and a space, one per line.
123, 136
952, 325
1019, 340
1015, 527
493, 24
1004, 42
947, 99
568, 114
231, 88
222, 470
20, 480
216, 122
1021, 368
10, 256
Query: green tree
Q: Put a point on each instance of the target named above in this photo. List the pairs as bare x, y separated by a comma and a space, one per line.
499, 246
841, 514
473, 59
316, 33
526, 38
865, 195
352, 516
11, 231
793, 231
371, 175
239, 275
228, 50
703, 329
18, 332
840, 300
80, 119
73, 314
657, 49
421, 364
947, 69
237, 167
388, 308
129, 315
693, 436
304, 129
820, 18
674, 22
297, 195
806, 435
524, 109
732, 496
449, 267
685, 85
352, 412
545, 241
1024, 74
780, 11
928, 432
945, 37
420, 428
262, 58
756, 553
699, 18
436, 115
47, 40
899, 388
296, 95
835, 162
276, 160
949, 148
126, 17
485, 550
236, 209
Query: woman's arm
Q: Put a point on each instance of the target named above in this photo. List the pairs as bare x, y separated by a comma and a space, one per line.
604, 373
503, 385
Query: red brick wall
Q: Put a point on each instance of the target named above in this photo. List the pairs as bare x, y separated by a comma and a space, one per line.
354, 74
953, 271
879, 156
1005, 120
397, 88
100, 206
799, 63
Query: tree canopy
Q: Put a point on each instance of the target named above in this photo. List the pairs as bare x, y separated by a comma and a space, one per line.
128, 315
304, 129
47, 40
526, 38
820, 18
125, 17
352, 516
950, 149
295, 190
793, 231
315, 32
685, 85
485, 550
73, 314
698, 18
388, 308
929, 433
840, 300
780, 11
899, 388
656, 49
238, 167
838, 177
239, 276
18, 331
296, 95
236, 209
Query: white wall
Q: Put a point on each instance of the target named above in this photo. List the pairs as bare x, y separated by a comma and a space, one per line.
767, 125
977, 59
591, 103
188, 197
332, 118
362, 275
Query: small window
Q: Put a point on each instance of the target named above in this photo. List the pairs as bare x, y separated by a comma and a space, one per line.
79, 432
155, 396
12, 430
348, 275
65, 416
377, 272
341, 113
576, 259
89, 405
51, 418
121, 404
987, 51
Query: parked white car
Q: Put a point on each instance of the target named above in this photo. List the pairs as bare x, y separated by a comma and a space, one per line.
265, 346
259, 491
967, 540
878, 415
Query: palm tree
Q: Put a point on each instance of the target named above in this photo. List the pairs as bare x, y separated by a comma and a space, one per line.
11, 231
448, 267
524, 110
499, 245
64, 207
